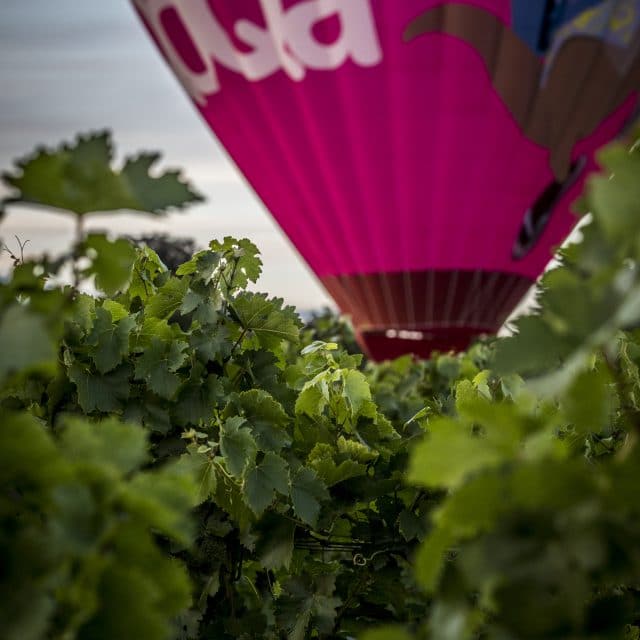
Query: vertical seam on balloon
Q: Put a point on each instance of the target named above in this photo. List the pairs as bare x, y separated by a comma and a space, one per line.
469, 298
510, 288
451, 291
496, 60
486, 310
358, 157
392, 133
433, 257
429, 297
489, 283
531, 105
333, 192
298, 179
364, 227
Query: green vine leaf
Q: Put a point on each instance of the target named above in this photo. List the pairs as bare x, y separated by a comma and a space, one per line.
168, 299
104, 393
109, 339
79, 177
156, 193
265, 416
266, 319
307, 492
237, 445
111, 262
25, 341
158, 364
263, 480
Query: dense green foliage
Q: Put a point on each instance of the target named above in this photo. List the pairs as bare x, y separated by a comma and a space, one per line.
180, 425
539, 533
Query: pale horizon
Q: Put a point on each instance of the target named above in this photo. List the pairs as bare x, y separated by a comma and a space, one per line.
74, 66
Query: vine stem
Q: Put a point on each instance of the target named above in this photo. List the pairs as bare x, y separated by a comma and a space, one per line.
79, 238
239, 340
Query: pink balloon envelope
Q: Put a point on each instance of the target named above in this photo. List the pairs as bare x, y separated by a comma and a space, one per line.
421, 155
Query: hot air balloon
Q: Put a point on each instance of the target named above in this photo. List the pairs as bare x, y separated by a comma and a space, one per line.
422, 155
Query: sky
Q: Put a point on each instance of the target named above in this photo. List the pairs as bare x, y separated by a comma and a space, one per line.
70, 66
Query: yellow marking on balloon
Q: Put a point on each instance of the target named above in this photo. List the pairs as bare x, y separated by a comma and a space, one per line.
586, 17
622, 17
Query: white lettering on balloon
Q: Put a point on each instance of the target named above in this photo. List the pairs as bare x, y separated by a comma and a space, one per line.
287, 42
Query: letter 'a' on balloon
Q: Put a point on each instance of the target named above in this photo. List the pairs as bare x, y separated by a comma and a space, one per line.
421, 155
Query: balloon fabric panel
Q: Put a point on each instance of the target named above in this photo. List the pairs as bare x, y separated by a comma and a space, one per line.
412, 150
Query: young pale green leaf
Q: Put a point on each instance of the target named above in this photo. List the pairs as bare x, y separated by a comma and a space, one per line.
356, 450
237, 445
313, 397
318, 345
321, 460
307, 490
331, 473
262, 481
118, 311
153, 328
355, 390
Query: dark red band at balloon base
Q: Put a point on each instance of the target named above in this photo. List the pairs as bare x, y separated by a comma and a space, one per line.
422, 311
